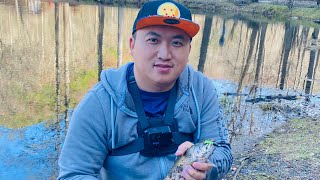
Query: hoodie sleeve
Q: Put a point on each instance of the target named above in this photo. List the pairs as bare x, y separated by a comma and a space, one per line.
213, 126
85, 146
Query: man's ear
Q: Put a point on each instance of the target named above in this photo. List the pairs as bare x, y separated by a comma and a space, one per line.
131, 44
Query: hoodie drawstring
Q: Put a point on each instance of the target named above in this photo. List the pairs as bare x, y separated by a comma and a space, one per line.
198, 113
112, 125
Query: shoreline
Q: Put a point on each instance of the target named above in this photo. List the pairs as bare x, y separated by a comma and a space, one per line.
301, 10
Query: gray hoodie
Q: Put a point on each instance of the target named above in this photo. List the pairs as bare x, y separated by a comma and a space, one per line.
106, 119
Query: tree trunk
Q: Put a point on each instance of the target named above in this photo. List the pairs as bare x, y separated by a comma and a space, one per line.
57, 69
260, 58
120, 35
100, 39
312, 61
66, 59
287, 44
301, 44
221, 39
205, 42
253, 37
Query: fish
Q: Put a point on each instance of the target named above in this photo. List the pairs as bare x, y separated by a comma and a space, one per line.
198, 152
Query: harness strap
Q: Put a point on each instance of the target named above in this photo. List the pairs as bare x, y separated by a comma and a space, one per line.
135, 146
133, 89
169, 120
138, 145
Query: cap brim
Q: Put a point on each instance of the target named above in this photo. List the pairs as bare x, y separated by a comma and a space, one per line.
187, 26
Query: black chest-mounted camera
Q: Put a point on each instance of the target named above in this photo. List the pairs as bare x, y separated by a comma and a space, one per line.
158, 136
158, 139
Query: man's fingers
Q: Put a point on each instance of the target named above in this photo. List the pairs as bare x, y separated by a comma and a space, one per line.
190, 173
202, 166
198, 169
183, 148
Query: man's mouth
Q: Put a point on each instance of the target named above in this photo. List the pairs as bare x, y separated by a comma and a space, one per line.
163, 68
163, 65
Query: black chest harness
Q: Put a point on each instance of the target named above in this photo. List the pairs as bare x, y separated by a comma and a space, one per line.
158, 136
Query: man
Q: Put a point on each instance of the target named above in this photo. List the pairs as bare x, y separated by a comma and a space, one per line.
134, 123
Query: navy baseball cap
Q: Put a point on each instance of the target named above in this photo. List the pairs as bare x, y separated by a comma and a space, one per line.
167, 13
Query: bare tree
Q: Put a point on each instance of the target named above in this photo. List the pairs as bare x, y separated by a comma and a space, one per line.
205, 41
253, 37
311, 62
221, 39
57, 69
289, 34
100, 39
66, 60
120, 35
260, 58
301, 45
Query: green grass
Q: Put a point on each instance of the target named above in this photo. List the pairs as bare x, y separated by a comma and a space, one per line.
36, 107
266, 107
39, 105
83, 80
267, 9
281, 12
81, 84
302, 142
226, 103
262, 12
310, 13
277, 12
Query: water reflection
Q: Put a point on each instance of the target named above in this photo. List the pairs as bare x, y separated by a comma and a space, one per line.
120, 36
289, 36
311, 67
66, 60
248, 58
205, 41
221, 39
87, 39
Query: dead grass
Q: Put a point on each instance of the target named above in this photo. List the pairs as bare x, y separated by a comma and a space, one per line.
290, 152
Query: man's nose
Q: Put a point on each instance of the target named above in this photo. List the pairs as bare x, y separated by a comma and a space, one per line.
164, 52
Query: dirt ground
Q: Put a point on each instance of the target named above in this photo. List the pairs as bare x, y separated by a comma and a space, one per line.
291, 151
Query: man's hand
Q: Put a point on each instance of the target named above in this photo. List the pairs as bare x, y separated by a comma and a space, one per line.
196, 171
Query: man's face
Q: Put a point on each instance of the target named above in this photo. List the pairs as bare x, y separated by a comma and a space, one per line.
160, 54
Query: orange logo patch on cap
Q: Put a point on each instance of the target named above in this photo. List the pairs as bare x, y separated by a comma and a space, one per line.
168, 9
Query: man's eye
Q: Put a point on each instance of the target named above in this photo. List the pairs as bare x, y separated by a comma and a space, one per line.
152, 40
177, 43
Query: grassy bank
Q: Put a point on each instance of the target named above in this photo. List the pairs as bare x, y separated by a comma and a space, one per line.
265, 9
283, 11
39, 105
290, 152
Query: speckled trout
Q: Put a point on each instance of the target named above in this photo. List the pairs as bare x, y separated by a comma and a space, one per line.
198, 152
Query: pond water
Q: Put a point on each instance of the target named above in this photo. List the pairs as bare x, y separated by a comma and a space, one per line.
51, 55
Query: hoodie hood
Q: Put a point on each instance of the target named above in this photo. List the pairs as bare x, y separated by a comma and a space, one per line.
115, 82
